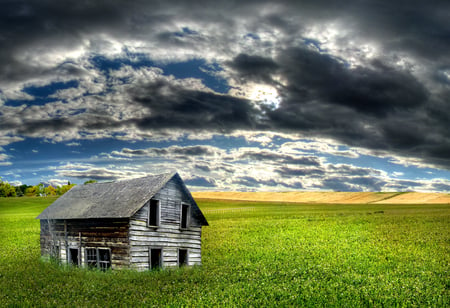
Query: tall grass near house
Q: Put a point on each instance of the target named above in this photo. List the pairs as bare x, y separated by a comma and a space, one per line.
254, 254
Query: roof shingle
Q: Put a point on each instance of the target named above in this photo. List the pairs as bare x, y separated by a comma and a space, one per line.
119, 199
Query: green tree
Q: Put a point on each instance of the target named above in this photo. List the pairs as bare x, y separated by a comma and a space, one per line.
40, 190
63, 189
50, 191
20, 190
31, 191
90, 182
6, 190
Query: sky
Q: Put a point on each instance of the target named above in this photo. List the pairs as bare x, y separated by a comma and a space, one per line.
234, 95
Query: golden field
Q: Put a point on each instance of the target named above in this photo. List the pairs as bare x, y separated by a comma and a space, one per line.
331, 197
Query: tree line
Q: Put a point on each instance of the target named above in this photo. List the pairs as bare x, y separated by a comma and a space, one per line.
40, 190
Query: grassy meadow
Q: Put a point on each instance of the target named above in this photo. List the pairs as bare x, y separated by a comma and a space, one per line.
254, 254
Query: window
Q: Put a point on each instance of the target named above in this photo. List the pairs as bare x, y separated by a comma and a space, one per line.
182, 257
73, 256
91, 257
98, 257
155, 258
104, 258
184, 216
153, 213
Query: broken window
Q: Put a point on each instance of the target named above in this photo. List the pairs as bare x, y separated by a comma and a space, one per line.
104, 258
98, 257
153, 213
182, 257
91, 257
155, 258
184, 216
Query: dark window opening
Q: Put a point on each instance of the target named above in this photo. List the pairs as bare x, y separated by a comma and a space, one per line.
184, 216
182, 257
153, 213
73, 256
155, 258
91, 257
104, 259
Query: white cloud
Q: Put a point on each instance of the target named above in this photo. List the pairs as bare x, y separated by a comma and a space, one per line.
15, 183
57, 182
4, 159
102, 104
73, 144
322, 146
3, 156
397, 174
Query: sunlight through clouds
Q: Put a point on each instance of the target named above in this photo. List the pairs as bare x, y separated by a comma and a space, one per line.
262, 95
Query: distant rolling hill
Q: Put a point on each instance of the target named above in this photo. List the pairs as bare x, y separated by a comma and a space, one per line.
331, 197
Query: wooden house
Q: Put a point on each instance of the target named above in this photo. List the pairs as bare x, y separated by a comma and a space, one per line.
142, 223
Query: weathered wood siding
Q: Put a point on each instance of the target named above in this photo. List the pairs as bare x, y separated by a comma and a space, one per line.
168, 236
87, 233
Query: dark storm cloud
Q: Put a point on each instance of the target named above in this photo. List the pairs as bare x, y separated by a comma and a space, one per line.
135, 152
167, 107
264, 155
99, 174
255, 68
337, 177
402, 134
379, 107
175, 107
173, 151
419, 27
249, 181
326, 81
201, 182
192, 150
441, 187
352, 170
375, 91
405, 183
375, 103
25, 24
202, 167
36, 122
359, 183
41, 126
142, 152
294, 172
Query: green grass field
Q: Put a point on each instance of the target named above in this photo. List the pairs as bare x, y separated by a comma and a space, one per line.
254, 254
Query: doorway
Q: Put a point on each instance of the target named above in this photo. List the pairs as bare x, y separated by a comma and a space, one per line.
155, 258
73, 256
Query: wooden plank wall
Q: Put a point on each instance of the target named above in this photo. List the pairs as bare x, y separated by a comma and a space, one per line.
168, 235
95, 233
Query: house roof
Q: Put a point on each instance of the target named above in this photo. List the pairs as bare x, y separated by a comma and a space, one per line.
119, 199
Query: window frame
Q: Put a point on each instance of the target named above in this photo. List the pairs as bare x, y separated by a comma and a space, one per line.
107, 262
158, 213
188, 215
186, 257
90, 262
98, 262
150, 257
70, 257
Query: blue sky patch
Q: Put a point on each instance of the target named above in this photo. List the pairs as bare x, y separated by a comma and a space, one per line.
310, 96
